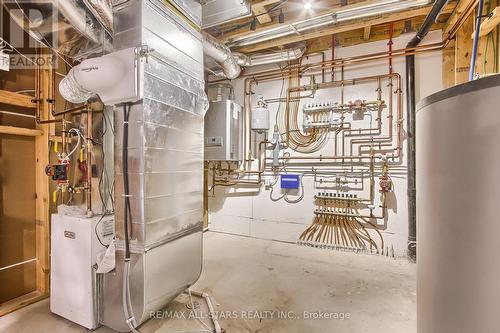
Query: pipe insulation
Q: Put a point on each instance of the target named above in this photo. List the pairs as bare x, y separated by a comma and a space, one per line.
270, 58
86, 27
411, 125
231, 63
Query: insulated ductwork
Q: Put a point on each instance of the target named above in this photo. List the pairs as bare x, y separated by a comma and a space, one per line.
270, 58
102, 9
158, 165
362, 11
75, 28
231, 62
222, 55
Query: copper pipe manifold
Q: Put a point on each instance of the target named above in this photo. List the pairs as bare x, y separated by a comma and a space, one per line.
338, 226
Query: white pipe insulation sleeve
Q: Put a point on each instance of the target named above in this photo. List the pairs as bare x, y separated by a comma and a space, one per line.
93, 76
270, 58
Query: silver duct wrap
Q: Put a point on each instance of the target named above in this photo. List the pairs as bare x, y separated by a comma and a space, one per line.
76, 28
222, 55
72, 91
271, 57
165, 164
230, 62
103, 10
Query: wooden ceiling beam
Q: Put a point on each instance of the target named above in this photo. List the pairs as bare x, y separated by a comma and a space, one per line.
366, 32
462, 10
356, 37
290, 18
342, 27
260, 11
19, 131
489, 24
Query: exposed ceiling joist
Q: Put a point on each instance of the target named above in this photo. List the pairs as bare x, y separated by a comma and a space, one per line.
356, 37
366, 32
260, 11
290, 19
343, 27
489, 24
463, 7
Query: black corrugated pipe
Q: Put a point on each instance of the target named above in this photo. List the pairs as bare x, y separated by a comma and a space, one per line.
410, 124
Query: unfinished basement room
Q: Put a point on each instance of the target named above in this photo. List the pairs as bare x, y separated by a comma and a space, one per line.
249, 166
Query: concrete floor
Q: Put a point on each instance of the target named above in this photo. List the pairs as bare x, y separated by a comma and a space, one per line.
265, 286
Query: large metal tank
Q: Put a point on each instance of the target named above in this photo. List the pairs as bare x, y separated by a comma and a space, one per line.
458, 200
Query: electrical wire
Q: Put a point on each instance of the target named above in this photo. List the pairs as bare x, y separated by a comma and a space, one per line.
127, 301
272, 190
291, 201
17, 51
79, 135
46, 44
207, 329
97, 233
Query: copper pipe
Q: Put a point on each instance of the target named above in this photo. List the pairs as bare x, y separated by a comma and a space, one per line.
277, 74
49, 121
351, 82
71, 110
330, 64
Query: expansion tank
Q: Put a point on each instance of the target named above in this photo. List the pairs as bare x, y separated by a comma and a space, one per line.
458, 205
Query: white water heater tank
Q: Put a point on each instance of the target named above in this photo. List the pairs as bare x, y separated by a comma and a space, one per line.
457, 209
260, 116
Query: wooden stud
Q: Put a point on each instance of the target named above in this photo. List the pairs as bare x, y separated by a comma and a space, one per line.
449, 65
20, 131
486, 62
42, 191
489, 24
463, 48
463, 7
260, 11
20, 302
15, 99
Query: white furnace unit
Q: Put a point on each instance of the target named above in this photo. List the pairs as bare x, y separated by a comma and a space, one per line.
76, 243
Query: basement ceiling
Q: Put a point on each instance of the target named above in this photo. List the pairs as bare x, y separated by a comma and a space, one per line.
266, 15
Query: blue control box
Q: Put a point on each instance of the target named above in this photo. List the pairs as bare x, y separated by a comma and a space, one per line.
290, 181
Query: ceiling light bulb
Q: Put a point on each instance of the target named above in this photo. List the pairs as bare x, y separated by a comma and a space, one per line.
307, 5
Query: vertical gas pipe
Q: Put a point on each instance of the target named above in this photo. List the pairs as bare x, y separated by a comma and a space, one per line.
410, 124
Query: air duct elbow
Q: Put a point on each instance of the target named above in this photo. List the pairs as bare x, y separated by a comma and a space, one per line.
222, 55
115, 78
231, 63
